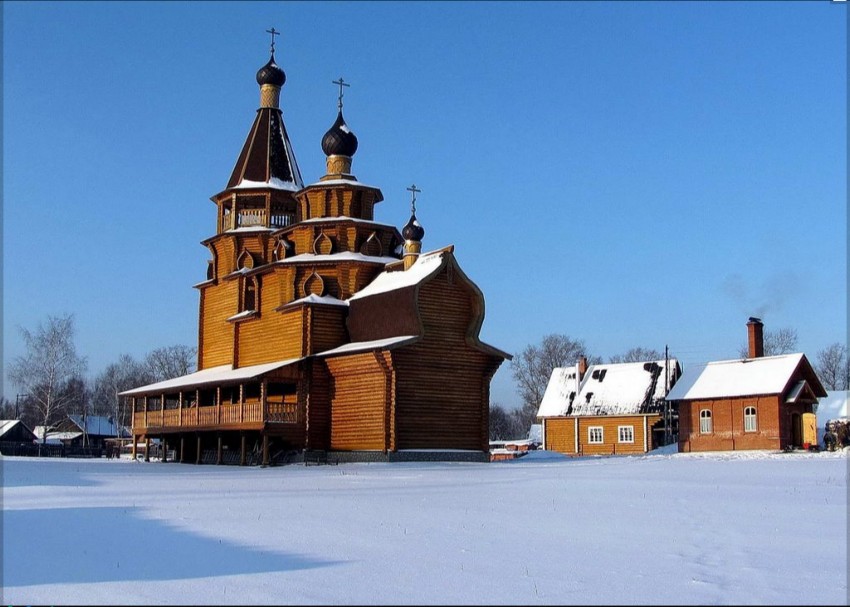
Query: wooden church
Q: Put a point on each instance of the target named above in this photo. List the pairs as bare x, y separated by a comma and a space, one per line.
321, 331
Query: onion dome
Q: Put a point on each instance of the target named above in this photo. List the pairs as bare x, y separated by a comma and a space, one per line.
271, 73
339, 140
413, 230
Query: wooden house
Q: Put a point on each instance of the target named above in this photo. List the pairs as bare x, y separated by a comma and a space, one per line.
15, 431
757, 402
607, 409
321, 329
82, 431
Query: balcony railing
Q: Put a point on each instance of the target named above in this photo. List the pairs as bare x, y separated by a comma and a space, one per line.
211, 416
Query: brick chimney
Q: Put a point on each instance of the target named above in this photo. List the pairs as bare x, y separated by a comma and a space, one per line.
582, 367
755, 336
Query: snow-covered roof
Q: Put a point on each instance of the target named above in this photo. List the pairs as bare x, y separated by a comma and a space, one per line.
336, 257
213, 375
363, 346
274, 182
560, 391
55, 437
250, 229
738, 377
6, 425
608, 389
835, 405
346, 218
312, 298
426, 265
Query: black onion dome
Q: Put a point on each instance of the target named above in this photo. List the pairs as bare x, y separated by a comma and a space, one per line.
339, 140
271, 73
413, 230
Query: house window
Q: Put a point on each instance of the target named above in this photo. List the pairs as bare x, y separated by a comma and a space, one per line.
705, 421
749, 419
594, 435
626, 434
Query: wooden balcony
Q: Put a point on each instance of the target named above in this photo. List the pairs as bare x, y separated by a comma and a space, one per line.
213, 417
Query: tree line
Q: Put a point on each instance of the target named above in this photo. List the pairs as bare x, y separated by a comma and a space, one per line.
52, 383
532, 367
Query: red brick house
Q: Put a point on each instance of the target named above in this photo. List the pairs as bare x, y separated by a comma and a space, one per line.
758, 402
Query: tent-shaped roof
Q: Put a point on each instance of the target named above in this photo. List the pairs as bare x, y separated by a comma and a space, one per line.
742, 377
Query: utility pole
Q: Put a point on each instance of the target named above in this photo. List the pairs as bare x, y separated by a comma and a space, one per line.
667, 420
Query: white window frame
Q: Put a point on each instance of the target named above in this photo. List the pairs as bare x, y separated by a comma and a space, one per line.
706, 425
592, 439
629, 431
750, 419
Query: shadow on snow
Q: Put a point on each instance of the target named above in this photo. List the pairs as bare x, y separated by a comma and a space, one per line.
92, 545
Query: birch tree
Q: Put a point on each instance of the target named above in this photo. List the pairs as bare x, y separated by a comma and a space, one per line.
48, 367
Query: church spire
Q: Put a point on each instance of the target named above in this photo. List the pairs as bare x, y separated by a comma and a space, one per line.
267, 159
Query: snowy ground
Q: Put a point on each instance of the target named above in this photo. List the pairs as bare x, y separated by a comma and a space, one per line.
721, 528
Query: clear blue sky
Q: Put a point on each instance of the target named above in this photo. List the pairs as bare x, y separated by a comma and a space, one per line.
630, 174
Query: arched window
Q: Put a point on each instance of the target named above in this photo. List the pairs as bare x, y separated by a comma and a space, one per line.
705, 421
750, 419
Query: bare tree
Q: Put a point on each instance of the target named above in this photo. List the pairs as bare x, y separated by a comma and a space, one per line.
781, 341
7, 409
504, 425
833, 367
171, 361
50, 364
122, 375
636, 355
533, 367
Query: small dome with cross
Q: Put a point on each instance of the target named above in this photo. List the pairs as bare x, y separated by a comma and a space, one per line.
413, 230
271, 73
339, 140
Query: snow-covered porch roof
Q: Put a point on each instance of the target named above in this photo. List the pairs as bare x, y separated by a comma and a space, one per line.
213, 375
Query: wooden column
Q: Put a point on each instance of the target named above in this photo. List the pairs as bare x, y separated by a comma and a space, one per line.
218, 404
182, 449
241, 405
180, 419
164, 448
135, 438
265, 450
147, 449
198, 450
218, 450
243, 458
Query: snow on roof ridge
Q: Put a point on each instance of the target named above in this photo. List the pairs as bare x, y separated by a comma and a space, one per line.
424, 267
274, 182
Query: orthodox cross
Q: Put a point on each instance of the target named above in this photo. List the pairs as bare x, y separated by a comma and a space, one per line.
341, 84
274, 33
413, 189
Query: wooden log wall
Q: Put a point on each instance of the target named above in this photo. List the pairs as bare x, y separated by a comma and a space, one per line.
443, 382
271, 337
359, 402
216, 337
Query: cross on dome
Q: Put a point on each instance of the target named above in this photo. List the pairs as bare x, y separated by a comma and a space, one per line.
341, 84
274, 33
413, 189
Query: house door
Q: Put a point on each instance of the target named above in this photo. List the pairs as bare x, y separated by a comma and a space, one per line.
796, 430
